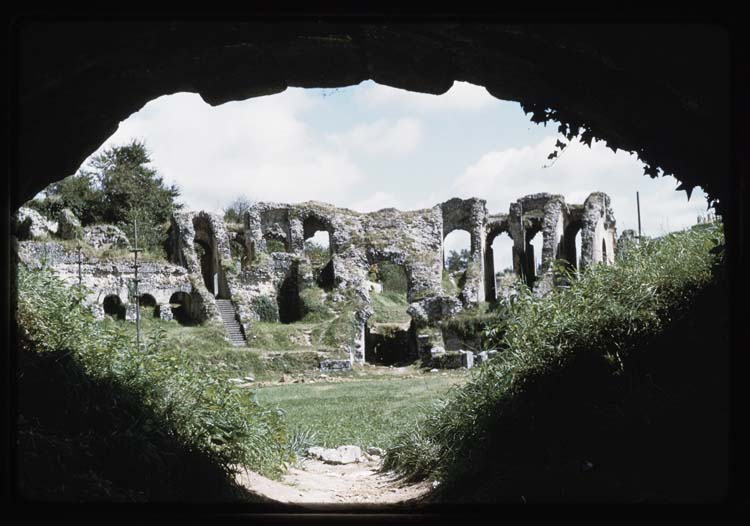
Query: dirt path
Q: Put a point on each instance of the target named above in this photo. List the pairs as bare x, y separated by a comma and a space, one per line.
313, 481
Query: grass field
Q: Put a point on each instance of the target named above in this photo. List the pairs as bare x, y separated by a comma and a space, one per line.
367, 411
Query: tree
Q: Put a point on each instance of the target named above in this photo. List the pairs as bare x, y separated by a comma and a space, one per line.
77, 192
131, 190
458, 261
235, 211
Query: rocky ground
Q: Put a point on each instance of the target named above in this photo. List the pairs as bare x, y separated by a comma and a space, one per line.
344, 475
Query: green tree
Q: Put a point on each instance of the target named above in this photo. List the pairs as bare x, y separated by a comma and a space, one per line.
458, 261
131, 190
79, 193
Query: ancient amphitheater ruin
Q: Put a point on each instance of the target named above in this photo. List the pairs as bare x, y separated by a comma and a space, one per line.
202, 281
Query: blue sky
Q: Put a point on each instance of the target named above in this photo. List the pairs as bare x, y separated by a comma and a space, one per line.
369, 146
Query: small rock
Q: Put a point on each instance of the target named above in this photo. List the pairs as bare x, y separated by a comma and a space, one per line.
375, 451
249, 379
435, 371
340, 455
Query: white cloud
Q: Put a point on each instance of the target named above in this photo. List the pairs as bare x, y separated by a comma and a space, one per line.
381, 137
260, 148
462, 96
505, 175
376, 201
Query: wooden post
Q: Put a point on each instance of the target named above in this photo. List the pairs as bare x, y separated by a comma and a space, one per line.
638, 203
137, 298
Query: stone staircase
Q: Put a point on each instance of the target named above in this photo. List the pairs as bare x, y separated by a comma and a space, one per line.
232, 326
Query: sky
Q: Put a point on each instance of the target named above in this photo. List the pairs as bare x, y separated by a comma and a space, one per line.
369, 146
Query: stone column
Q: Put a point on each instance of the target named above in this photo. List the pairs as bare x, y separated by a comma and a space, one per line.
517, 233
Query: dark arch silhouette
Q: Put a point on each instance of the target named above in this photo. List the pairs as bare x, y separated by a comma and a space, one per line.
113, 306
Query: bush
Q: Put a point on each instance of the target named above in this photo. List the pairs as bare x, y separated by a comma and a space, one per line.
583, 334
266, 309
167, 395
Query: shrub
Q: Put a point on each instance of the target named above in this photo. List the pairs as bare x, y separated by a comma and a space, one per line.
180, 398
600, 320
266, 309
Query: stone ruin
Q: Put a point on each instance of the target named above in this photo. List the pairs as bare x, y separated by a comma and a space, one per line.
202, 281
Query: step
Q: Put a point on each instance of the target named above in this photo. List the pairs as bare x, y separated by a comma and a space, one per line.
231, 325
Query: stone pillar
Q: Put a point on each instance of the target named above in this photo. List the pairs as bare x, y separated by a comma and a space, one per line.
296, 236
518, 235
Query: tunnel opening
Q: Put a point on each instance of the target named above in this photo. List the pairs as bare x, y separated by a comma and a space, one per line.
390, 344
114, 307
614, 126
183, 308
148, 305
318, 249
499, 263
533, 263
457, 258
291, 306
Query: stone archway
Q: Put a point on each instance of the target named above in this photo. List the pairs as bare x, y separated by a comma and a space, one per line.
113, 306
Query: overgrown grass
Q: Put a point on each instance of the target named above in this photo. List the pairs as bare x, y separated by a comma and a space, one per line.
389, 307
159, 397
366, 412
580, 338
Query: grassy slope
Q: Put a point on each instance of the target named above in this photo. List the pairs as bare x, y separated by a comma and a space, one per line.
389, 307
365, 412
615, 388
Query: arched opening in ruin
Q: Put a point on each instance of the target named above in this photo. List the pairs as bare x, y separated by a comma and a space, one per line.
605, 260
275, 243
241, 249
571, 245
183, 308
206, 248
318, 249
457, 258
390, 337
646, 117
148, 304
114, 307
390, 343
291, 307
499, 266
533, 263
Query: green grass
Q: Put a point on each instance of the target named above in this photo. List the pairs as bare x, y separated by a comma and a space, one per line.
174, 392
389, 307
582, 338
366, 412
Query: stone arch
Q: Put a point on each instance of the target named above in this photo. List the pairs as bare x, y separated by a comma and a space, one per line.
395, 260
494, 232
113, 306
325, 274
530, 268
206, 246
290, 305
149, 301
183, 308
275, 227
569, 250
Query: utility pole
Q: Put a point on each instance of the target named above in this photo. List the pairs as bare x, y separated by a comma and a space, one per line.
638, 202
137, 298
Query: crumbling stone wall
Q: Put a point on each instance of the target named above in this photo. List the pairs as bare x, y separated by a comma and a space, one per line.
103, 278
413, 240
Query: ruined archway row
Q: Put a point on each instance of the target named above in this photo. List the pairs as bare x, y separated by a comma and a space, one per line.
415, 239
